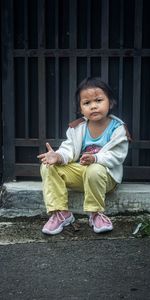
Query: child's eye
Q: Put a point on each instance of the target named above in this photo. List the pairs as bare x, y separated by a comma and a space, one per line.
99, 100
86, 103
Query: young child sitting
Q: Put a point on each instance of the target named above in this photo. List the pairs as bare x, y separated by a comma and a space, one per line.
89, 160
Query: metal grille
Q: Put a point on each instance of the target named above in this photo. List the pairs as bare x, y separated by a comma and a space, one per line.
1, 167
48, 48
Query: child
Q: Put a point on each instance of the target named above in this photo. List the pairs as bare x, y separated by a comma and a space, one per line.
89, 160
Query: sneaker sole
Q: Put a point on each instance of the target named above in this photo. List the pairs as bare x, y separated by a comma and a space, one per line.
102, 229
67, 222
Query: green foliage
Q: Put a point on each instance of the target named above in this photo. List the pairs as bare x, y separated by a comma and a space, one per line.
143, 228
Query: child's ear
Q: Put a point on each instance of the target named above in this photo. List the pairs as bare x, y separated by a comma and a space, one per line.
111, 106
81, 111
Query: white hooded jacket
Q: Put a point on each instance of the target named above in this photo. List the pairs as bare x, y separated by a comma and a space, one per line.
112, 155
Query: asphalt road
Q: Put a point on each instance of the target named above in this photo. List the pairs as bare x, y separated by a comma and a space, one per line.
76, 269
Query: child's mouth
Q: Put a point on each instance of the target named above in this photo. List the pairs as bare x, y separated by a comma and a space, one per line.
94, 113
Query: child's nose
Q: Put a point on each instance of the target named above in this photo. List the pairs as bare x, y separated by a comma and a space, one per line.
93, 105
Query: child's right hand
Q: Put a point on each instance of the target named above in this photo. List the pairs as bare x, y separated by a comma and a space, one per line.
87, 159
50, 157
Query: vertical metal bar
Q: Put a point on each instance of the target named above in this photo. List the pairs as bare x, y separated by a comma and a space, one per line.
56, 71
88, 36
8, 90
105, 38
137, 78
120, 85
26, 99
41, 73
88, 5
57, 97
88, 66
41, 24
56, 25
72, 59
1, 136
26, 69
121, 59
104, 68
73, 24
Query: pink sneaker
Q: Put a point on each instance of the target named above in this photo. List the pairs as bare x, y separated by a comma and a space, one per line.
57, 221
100, 222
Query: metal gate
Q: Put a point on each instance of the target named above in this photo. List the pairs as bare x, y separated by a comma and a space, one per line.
49, 46
1, 154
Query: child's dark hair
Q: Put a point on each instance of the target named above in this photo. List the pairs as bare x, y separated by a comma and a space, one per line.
94, 82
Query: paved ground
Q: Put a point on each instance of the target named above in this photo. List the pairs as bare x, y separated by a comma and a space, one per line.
76, 264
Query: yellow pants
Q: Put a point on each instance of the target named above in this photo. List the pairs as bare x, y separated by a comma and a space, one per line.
93, 180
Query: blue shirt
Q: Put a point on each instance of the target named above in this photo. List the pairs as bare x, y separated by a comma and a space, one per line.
93, 145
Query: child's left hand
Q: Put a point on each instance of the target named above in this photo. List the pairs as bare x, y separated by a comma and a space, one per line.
87, 159
50, 157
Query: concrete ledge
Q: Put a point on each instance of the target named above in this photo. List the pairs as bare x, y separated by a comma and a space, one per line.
20, 199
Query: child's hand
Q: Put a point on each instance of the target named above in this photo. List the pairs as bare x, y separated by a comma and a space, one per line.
50, 157
87, 159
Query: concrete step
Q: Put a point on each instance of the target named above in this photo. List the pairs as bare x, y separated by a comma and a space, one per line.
19, 199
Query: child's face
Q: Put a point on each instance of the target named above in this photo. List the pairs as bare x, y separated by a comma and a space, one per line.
94, 104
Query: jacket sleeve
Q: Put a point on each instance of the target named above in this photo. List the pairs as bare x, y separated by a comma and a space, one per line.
66, 149
115, 152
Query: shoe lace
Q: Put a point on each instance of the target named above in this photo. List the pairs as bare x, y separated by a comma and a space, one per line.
57, 215
104, 217
60, 216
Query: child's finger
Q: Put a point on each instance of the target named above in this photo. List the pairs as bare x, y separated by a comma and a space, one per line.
41, 155
86, 156
49, 148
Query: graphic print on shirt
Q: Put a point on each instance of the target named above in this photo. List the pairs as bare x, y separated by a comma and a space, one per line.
92, 149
